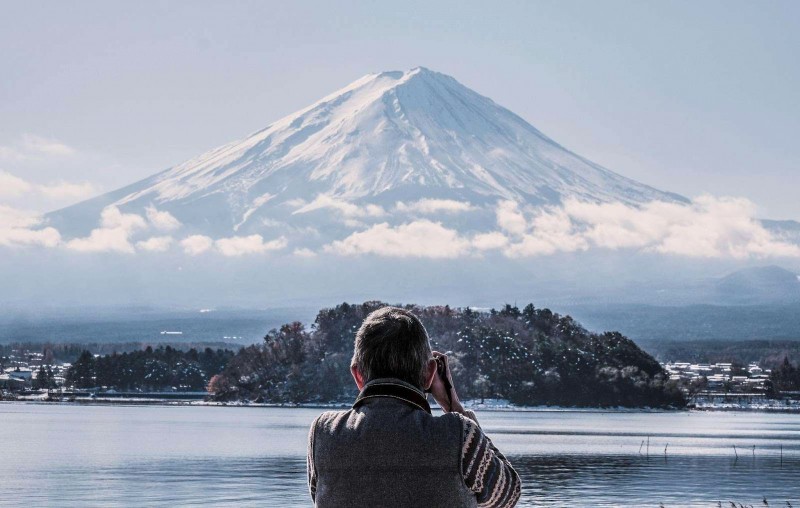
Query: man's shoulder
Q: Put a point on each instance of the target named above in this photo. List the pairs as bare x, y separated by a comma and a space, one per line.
329, 419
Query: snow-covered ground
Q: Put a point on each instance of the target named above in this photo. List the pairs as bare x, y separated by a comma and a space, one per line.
476, 405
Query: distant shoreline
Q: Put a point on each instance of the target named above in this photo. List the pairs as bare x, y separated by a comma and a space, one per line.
505, 408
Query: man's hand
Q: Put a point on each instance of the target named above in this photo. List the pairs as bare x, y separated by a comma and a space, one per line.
439, 390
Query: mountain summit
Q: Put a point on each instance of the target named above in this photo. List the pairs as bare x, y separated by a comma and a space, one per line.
384, 138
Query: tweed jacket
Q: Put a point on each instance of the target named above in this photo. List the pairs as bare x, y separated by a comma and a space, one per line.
389, 450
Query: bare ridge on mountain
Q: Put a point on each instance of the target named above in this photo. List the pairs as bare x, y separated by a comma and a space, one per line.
387, 137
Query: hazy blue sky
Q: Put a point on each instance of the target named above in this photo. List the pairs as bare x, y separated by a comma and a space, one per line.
688, 96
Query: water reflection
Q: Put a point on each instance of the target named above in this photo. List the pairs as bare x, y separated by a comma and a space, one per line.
266, 481
588, 480
204, 456
578, 480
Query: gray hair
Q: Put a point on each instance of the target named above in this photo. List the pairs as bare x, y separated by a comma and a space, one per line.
392, 342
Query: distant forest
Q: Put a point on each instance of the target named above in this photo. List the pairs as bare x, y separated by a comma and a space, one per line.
59, 352
150, 369
528, 356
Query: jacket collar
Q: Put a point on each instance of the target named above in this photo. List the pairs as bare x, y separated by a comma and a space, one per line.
395, 389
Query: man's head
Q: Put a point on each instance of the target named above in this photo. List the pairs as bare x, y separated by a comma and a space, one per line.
392, 342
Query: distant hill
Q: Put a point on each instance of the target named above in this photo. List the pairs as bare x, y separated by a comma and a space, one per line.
648, 324
759, 284
120, 325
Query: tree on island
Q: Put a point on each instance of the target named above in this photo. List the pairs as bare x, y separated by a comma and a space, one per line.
784, 378
162, 368
526, 356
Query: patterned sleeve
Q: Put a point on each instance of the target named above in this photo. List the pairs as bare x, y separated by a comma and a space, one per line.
486, 471
312, 474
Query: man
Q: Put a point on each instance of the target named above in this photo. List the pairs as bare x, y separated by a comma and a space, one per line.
389, 450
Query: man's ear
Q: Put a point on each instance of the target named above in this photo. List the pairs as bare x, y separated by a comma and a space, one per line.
359, 379
431, 374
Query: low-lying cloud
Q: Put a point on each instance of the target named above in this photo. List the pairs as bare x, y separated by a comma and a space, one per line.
113, 235
162, 220
421, 239
195, 245
12, 186
155, 244
708, 227
252, 244
16, 230
233, 246
30, 146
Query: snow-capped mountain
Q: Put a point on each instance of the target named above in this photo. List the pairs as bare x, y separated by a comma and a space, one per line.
382, 142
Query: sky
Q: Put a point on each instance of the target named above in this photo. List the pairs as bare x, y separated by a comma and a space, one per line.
690, 97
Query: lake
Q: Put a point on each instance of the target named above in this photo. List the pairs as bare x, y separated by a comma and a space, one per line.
117, 455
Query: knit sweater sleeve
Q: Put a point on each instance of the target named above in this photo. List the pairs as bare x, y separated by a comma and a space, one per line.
312, 474
486, 471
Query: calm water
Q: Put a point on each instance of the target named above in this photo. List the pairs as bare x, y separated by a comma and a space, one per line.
67, 455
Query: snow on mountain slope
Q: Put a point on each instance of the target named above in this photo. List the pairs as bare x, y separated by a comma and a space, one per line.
385, 138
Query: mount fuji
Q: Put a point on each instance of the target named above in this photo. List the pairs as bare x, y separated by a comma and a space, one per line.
385, 145
402, 186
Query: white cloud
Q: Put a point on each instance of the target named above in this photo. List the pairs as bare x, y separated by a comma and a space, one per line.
67, 190
11, 217
113, 235
162, 220
112, 218
231, 246
423, 239
12, 186
47, 146
510, 219
432, 206
253, 244
196, 244
15, 229
103, 240
155, 244
304, 252
708, 227
489, 241
20, 237
346, 208
550, 231
30, 146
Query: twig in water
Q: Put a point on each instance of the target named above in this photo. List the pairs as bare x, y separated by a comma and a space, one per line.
734, 451
640, 447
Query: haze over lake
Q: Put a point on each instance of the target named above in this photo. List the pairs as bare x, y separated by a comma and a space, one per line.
69, 455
